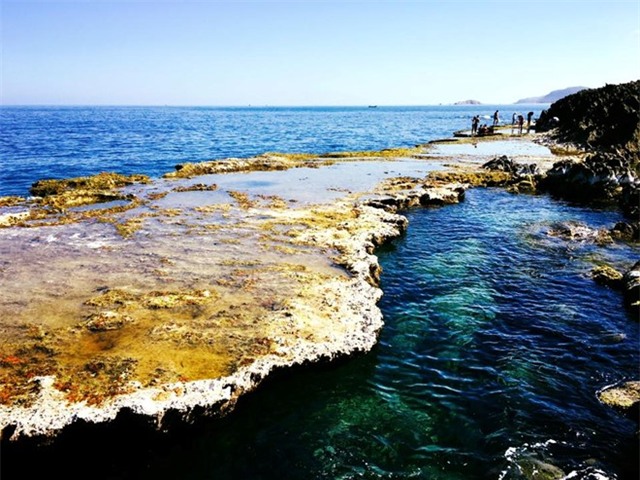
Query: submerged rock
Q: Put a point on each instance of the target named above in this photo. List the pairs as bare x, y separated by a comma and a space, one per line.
624, 397
578, 231
606, 275
534, 469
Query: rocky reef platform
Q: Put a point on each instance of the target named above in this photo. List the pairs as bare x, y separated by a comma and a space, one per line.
171, 298
127, 294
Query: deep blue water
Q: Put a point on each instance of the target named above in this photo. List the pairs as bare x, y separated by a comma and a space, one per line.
495, 343
64, 142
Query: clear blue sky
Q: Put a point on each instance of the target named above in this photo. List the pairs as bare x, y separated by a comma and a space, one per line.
303, 52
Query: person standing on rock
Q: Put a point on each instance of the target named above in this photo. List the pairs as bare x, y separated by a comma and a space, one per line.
475, 121
529, 120
496, 117
520, 123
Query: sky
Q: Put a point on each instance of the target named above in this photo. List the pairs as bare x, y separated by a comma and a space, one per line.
310, 52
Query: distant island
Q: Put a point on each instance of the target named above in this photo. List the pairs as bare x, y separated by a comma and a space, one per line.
552, 96
468, 102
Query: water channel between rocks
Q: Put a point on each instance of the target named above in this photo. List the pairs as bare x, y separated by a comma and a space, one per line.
495, 342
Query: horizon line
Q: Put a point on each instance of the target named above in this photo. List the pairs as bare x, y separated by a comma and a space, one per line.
261, 105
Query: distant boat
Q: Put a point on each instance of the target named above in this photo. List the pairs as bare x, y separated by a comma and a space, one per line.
373, 106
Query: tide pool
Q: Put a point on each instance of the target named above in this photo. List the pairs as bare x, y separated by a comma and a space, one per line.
495, 343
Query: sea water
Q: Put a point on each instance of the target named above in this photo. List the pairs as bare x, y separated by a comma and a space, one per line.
496, 340
63, 142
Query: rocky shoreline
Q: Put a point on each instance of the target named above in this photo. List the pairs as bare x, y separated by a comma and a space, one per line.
321, 306
245, 284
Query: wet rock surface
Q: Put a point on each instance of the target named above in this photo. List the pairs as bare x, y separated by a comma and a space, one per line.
578, 231
624, 397
606, 275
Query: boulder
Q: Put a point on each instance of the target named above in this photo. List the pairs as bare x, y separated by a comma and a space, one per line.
608, 276
599, 177
626, 231
505, 164
624, 397
501, 164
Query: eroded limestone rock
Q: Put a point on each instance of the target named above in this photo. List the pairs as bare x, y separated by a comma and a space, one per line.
606, 275
624, 397
192, 307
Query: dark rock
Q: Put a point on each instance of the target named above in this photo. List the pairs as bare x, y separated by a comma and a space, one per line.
524, 177
600, 177
531, 169
505, 164
626, 231
502, 164
604, 119
630, 200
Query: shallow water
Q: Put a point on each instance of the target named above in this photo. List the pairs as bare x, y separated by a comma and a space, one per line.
63, 142
312, 185
495, 343
491, 148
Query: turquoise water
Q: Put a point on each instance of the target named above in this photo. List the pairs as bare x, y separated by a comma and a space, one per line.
495, 340
495, 343
64, 142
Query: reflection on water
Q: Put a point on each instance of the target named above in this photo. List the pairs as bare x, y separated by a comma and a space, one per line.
491, 148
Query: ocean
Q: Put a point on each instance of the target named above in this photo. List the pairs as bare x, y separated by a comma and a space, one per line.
64, 142
496, 340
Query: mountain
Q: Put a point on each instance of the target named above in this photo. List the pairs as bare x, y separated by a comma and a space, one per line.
468, 102
552, 96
